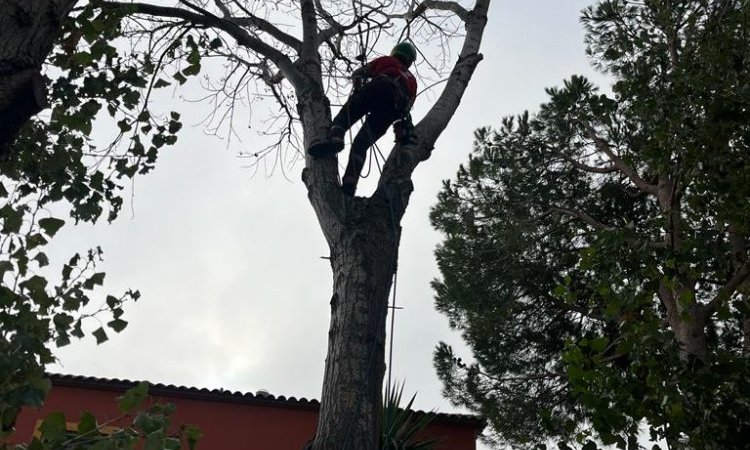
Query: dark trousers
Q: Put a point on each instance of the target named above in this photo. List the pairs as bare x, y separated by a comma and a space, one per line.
382, 101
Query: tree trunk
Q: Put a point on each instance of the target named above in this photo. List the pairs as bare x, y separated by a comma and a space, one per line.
687, 320
28, 29
363, 236
363, 260
746, 334
691, 334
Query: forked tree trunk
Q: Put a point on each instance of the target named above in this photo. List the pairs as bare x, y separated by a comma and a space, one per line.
28, 29
363, 260
363, 236
687, 320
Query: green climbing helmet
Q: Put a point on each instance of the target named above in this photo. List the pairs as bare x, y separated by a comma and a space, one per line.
405, 52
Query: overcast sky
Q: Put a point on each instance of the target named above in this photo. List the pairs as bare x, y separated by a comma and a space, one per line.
234, 292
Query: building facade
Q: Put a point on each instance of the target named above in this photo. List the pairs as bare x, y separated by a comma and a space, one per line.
227, 420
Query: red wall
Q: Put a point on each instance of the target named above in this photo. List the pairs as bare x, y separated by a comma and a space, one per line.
226, 424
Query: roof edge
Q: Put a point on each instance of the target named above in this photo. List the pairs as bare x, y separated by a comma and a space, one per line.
170, 390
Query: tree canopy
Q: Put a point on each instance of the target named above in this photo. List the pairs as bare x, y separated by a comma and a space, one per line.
107, 66
595, 254
53, 168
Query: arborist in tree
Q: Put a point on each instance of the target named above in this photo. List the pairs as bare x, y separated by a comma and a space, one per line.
384, 90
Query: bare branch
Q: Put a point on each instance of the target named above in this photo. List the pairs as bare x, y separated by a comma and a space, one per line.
587, 168
327, 17
223, 8
582, 216
405, 158
309, 29
339, 29
604, 147
439, 5
731, 286
266, 27
573, 308
241, 36
252, 20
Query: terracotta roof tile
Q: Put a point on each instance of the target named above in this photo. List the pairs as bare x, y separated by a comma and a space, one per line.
222, 395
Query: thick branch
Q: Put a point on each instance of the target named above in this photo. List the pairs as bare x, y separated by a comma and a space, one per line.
241, 36
267, 27
309, 29
568, 307
587, 168
223, 8
666, 296
251, 20
603, 146
439, 5
336, 28
404, 158
731, 286
584, 217
327, 17
28, 29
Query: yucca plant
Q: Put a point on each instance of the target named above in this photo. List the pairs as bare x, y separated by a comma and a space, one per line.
400, 426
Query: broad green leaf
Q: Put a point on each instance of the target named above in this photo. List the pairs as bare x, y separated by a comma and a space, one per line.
161, 83
41, 259
51, 225
87, 423
53, 428
192, 435
118, 325
172, 444
34, 241
599, 344
34, 284
112, 301
5, 266
100, 335
12, 219
154, 441
133, 398
192, 70
96, 279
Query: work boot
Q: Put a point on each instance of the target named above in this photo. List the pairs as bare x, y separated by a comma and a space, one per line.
333, 144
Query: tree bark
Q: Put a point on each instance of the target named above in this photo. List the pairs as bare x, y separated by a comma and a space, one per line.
363, 261
363, 235
687, 320
28, 29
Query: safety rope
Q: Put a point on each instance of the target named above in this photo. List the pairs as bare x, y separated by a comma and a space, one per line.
374, 150
393, 309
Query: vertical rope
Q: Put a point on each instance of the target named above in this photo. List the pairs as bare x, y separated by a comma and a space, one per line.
393, 322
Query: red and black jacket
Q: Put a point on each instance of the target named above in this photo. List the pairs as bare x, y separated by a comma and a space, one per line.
393, 68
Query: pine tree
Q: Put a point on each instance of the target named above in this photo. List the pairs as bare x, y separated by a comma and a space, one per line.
596, 254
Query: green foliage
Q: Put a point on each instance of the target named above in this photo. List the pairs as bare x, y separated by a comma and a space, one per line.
141, 427
596, 253
54, 167
400, 426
